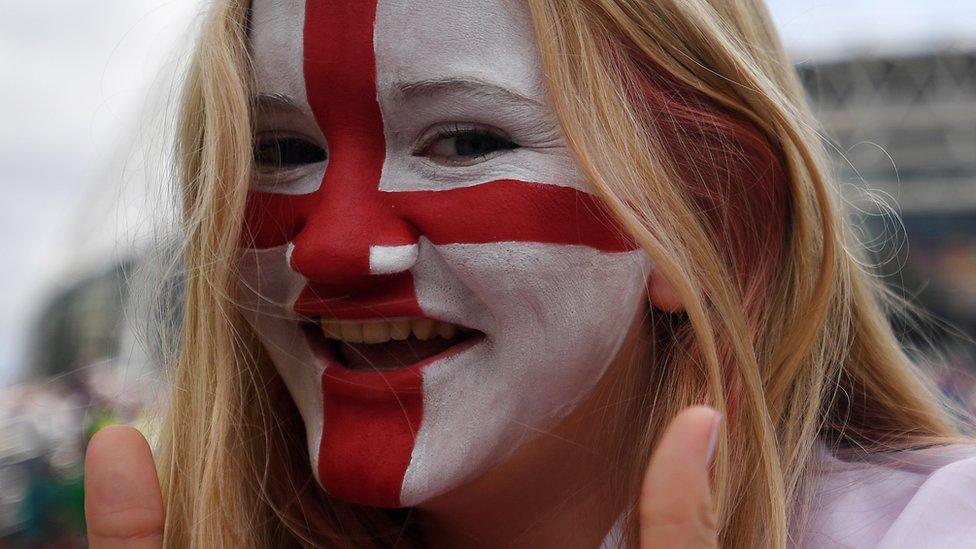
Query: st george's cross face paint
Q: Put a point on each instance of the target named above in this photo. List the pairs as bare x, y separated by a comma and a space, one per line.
423, 262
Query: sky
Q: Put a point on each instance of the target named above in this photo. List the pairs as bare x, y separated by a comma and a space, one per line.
85, 86
818, 29
74, 79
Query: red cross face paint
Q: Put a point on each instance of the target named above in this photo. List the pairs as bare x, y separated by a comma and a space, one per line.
422, 185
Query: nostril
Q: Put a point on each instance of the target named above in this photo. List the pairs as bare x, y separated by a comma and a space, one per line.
392, 259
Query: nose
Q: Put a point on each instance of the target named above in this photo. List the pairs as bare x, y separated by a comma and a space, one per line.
352, 234
352, 229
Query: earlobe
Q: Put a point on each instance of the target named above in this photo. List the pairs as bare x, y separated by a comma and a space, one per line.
663, 296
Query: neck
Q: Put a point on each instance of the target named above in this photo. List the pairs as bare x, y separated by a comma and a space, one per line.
556, 504
558, 490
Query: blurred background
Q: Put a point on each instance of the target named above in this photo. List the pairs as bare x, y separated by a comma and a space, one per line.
86, 105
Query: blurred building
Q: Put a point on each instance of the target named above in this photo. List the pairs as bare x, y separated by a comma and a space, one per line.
910, 118
80, 325
903, 126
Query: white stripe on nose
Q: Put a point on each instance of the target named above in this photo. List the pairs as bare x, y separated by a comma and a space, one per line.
392, 259
289, 250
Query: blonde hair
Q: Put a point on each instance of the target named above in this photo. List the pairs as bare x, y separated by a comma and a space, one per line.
689, 121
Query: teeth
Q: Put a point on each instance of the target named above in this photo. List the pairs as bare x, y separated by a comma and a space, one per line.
332, 330
352, 332
376, 332
397, 330
400, 330
446, 330
422, 328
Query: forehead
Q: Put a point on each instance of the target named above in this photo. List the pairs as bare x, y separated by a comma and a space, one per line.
413, 40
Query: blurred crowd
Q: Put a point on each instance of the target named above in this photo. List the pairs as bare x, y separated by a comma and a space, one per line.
45, 425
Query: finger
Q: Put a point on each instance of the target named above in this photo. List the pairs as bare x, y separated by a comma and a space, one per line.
123, 504
676, 508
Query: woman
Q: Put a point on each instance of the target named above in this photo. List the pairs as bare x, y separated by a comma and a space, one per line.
453, 266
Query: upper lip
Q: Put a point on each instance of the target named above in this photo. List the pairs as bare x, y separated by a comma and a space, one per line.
379, 299
392, 297
357, 309
320, 319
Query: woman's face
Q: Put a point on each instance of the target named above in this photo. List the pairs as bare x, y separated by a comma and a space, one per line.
424, 262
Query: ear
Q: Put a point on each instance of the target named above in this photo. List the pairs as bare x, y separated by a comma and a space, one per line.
663, 296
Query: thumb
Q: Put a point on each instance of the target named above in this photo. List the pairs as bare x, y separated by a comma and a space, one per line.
123, 503
676, 508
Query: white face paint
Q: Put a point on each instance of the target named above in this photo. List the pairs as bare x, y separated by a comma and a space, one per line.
448, 194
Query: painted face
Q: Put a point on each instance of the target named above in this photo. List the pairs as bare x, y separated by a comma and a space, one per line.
423, 261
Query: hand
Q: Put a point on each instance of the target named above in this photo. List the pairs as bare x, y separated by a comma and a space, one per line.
676, 508
123, 503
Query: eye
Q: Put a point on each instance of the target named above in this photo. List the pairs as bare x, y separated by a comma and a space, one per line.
461, 145
275, 152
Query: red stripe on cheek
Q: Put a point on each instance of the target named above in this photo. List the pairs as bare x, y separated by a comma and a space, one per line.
513, 211
272, 220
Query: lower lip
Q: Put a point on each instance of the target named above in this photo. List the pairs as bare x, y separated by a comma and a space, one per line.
379, 384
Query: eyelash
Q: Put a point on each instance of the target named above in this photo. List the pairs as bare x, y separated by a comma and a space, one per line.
273, 144
501, 140
277, 145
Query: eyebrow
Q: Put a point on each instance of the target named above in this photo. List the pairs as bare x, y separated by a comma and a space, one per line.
419, 88
470, 86
269, 100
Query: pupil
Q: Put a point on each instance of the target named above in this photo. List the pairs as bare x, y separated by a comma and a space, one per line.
287, 151
475, 144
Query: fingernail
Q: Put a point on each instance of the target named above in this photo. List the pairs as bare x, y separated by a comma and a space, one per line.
713, 439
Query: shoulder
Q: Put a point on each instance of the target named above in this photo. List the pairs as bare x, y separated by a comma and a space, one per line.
919, 498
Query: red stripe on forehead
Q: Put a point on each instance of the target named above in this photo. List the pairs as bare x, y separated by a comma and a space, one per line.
365, 449
340, 71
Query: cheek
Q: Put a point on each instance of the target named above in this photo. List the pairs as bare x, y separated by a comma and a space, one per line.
268, 288
550, 291
555, 316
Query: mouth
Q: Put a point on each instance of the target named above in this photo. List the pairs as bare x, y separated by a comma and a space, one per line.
381, 345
